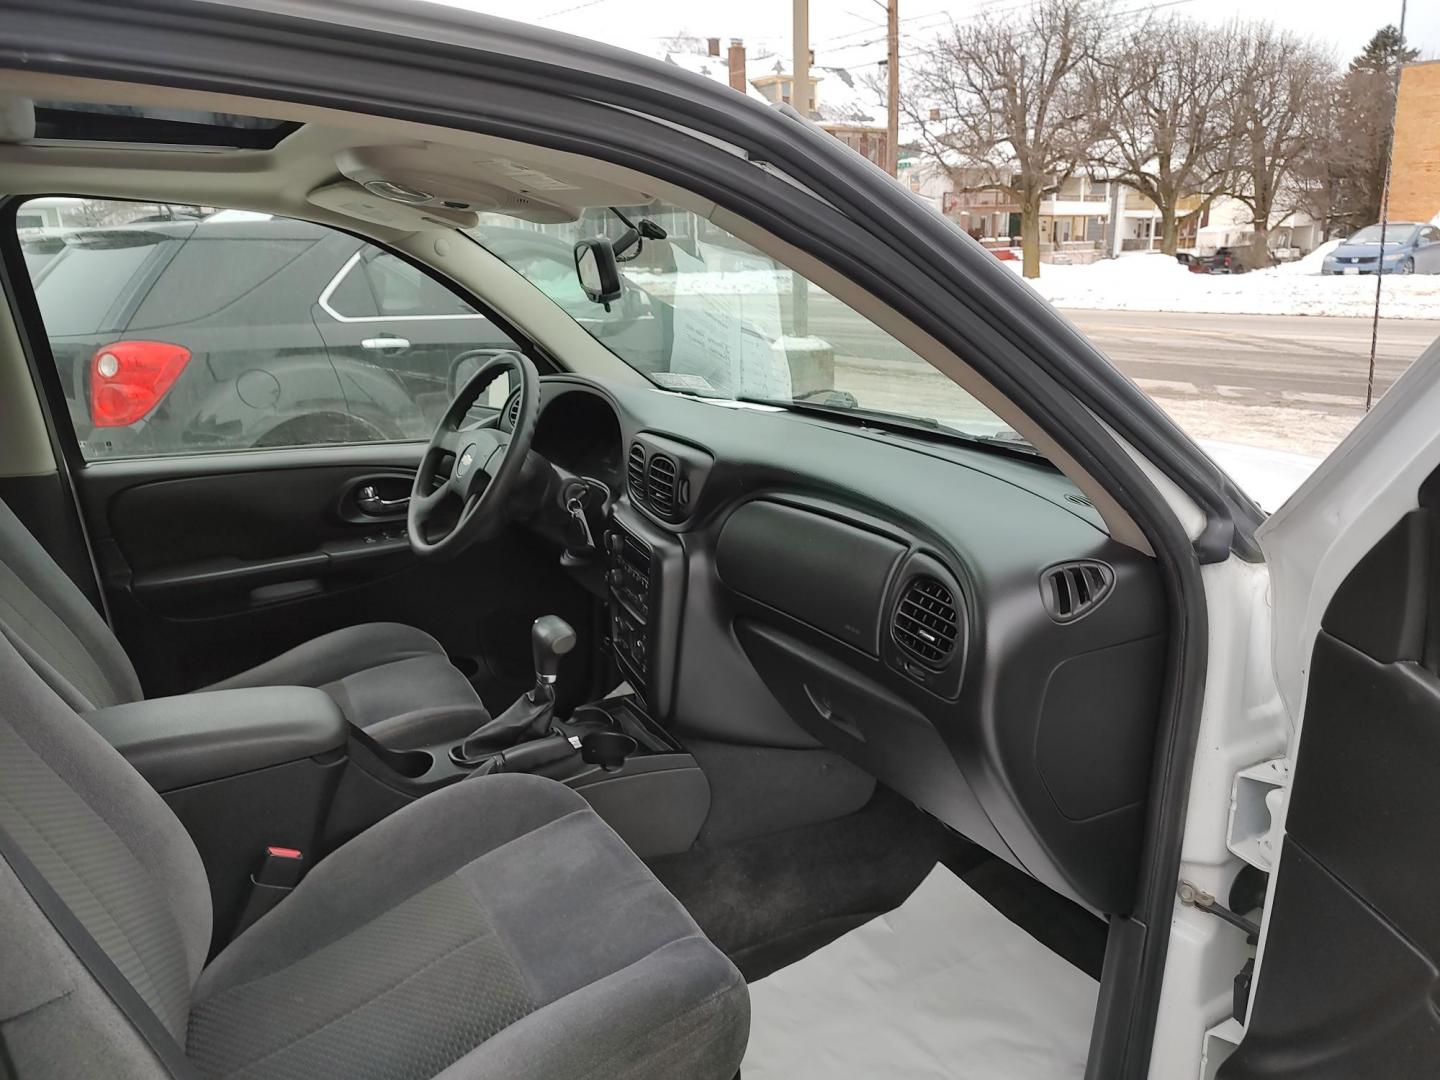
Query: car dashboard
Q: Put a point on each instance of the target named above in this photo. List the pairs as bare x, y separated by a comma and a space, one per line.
951, 619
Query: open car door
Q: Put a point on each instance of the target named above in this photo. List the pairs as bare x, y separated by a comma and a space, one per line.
1346, 972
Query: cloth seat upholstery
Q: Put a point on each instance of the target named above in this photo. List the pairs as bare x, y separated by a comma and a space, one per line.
393, 680
496, 928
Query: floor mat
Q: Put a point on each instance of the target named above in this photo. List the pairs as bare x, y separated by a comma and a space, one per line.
943, 986
768, 901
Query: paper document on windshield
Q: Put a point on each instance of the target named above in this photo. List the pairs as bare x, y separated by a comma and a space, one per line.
726, 337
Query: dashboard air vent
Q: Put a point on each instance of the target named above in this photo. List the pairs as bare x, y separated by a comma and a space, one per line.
1075, 589
635, 472
512, 411
926, 623
663, 486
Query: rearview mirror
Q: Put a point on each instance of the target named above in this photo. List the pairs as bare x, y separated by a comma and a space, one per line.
598, 271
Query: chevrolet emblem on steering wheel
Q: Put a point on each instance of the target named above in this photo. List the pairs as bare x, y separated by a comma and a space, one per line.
466, 460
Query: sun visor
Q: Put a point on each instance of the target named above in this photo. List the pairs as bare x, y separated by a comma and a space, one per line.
17, 119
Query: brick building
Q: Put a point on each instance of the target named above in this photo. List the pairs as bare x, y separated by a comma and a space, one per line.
1415, 155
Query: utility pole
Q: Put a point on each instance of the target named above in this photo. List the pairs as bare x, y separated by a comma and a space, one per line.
892, 71
800, 85
800, 100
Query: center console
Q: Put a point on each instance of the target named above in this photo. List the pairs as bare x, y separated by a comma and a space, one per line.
244, 770
614, 752
632, 585
644, 591
279, 769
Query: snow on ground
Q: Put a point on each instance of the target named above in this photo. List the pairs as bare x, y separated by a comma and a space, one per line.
1155, 282
1267, 476
1151, 282
1312, 263
1285, 428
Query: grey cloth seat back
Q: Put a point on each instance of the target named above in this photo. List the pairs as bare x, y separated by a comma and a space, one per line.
494, 930
119, 860
390, 678
49, 620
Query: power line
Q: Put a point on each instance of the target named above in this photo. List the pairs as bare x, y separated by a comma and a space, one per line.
568, 10
870, 28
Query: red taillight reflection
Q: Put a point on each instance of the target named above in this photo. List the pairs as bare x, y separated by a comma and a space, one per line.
128, 379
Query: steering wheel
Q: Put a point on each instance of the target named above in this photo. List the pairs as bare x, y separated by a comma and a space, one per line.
487, 463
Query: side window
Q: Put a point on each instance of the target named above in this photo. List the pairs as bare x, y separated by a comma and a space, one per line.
351, 297
404, 292
182, 330
1429, 235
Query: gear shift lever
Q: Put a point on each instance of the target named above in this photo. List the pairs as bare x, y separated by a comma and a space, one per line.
551, 637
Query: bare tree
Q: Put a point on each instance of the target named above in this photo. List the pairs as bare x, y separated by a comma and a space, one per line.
1000, 104
1276, 116
89, 213
1159, 95
1343, 179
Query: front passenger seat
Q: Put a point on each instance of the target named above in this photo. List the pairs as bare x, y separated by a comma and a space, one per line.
393, 680
496, 928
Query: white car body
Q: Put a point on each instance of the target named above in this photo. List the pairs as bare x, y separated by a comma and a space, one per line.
1264, 620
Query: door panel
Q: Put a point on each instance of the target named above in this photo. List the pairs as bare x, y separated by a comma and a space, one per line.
222, 492
214, 563
1348, 977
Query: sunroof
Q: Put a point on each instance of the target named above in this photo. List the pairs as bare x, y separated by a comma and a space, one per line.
92, 122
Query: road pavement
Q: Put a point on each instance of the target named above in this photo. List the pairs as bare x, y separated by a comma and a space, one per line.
1287, 382
1317, 363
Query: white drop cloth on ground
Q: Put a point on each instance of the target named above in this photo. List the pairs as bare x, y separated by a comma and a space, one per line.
944, 986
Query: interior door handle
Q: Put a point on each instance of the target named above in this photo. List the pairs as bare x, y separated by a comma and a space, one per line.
369, 500
385, 343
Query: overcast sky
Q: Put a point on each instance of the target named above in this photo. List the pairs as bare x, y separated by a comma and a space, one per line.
851, 32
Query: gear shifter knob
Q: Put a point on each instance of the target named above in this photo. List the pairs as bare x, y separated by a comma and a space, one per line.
550, 638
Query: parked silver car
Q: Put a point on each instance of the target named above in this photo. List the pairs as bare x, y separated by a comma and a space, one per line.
1409, 248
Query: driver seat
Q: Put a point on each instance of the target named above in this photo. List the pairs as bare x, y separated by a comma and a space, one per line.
391, 679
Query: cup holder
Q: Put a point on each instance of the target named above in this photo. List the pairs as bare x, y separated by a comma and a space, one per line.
608, 749
411, 764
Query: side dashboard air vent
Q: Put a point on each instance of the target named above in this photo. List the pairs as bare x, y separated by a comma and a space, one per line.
512, 411
1075, 589
635, 472
662, 486
926, 623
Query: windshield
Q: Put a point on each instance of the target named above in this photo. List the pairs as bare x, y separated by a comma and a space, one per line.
702, 312
1394, 234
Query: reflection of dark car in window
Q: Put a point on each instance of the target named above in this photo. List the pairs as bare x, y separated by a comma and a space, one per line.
246, 330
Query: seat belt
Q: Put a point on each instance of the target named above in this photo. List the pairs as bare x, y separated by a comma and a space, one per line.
88, 951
